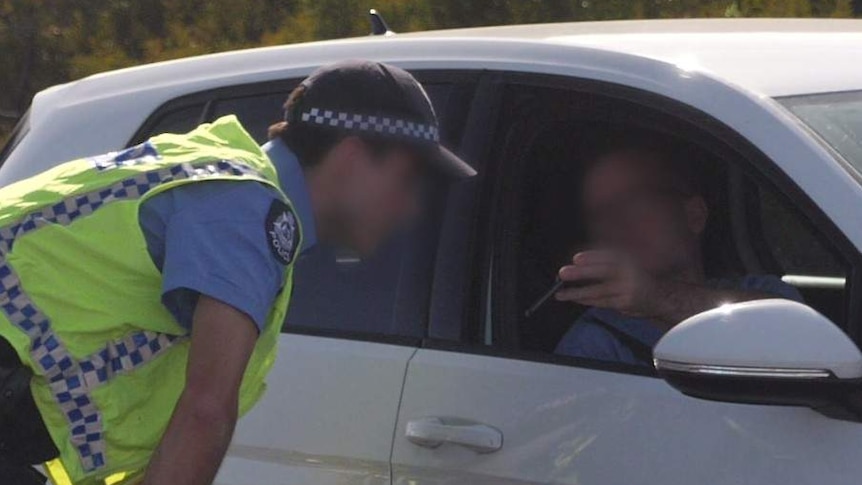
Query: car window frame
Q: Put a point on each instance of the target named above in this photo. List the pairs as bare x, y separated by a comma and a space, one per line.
208, 98
472, 311
19, 132
466, 79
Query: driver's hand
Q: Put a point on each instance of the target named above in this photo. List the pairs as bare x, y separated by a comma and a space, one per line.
616, 283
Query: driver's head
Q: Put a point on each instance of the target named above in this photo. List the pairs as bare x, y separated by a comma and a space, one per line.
367, 137
643, 202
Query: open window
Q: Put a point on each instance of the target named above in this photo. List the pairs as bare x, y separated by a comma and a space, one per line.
382, 297
759, 222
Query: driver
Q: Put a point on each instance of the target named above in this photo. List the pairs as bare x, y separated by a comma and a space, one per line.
645, 218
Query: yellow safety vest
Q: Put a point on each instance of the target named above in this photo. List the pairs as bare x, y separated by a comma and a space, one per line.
80, 296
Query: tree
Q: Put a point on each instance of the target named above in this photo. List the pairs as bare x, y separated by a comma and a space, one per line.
34, 55
843, 9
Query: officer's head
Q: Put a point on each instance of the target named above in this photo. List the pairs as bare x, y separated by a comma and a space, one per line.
367, 138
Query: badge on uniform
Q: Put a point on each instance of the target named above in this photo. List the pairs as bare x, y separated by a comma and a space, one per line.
282, 231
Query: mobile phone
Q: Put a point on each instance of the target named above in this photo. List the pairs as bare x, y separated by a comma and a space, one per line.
557, 286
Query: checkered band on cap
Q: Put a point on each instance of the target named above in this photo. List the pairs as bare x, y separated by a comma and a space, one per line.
71, 380
382, 125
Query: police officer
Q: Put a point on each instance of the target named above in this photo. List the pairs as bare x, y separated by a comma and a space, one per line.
142, 292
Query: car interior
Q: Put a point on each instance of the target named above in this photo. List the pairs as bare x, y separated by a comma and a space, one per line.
754, 228
542, 140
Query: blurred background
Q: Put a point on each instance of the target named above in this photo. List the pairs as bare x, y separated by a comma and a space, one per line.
46, 42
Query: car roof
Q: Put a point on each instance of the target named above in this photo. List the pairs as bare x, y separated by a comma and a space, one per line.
776, 57
772, 56
768, 57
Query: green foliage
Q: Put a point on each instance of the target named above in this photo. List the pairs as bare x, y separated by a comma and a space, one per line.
46, 42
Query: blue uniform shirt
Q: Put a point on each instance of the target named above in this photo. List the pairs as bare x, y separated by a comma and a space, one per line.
209, 238
587, 338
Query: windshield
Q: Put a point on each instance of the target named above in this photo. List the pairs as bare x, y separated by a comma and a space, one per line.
836, 117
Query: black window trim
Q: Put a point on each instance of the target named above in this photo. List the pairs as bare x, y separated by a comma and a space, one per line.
208, 98
457, 241
754, 159
19, 132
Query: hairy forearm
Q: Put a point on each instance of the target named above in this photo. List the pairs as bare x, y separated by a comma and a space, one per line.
678, 301
194, 443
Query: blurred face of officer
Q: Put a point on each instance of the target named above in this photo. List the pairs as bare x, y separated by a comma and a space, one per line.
376, 125
379, 191
635, 204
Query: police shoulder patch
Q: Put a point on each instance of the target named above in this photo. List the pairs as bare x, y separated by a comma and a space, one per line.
282, 231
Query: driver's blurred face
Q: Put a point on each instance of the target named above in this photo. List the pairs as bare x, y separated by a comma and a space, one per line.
632, 205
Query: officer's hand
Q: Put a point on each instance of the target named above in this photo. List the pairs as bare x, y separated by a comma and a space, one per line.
612, 281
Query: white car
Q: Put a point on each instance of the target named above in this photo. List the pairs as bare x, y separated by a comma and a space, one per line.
418, 367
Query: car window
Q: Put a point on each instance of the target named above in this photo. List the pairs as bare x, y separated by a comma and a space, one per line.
539, 215
385, 294
179, 120
337, 292
794, 244
256, 113
791, 247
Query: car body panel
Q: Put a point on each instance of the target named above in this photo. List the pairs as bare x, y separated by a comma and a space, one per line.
776, 57
569, 425
327, 416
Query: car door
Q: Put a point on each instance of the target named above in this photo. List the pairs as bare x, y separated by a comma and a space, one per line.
332, 397
480, 408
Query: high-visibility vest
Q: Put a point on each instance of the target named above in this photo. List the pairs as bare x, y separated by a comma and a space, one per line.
80, 297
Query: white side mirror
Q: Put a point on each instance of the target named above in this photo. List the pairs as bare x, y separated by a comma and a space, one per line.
765, 352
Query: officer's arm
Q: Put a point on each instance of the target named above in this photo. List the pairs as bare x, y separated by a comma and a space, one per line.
200, 430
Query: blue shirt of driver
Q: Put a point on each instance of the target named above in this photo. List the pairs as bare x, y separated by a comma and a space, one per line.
589, 338
209, 239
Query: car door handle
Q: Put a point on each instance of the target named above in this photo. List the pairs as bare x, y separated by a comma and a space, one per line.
432, 432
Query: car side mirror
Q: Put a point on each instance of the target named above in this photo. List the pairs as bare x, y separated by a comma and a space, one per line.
776, 352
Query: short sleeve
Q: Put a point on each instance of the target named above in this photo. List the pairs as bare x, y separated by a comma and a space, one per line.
772, 285
590, 341
216, 244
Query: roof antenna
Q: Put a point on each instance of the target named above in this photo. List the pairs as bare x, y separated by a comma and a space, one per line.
378, 25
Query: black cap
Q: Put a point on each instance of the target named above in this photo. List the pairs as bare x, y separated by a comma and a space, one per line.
378, 99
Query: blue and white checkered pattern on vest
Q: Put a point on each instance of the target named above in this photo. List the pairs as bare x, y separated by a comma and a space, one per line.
70, 379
